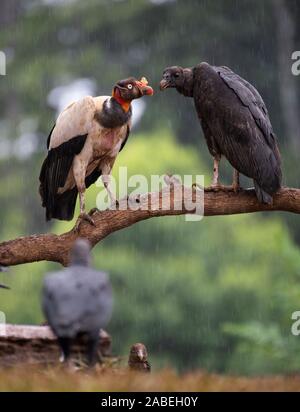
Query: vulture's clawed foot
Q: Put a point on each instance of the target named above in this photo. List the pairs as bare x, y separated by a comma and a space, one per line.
84, 217
114, 205
196, 186
93, 211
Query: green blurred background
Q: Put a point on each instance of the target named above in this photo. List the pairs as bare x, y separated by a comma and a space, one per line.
217, 294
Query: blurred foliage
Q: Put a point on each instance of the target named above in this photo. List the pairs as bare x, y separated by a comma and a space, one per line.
217, 294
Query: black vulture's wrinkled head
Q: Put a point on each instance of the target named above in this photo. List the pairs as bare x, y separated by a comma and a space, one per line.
172, 77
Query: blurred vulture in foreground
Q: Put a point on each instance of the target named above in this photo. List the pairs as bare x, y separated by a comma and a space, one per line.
83, 145
77, 302
138, 358
235, 123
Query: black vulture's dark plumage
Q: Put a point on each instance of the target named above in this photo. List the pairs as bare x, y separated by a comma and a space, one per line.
234, 120
77, 302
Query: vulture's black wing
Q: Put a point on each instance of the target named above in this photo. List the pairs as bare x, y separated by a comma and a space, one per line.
54, 173
250, 98
237, 122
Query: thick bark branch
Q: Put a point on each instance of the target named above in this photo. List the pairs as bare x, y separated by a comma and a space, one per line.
56, 248
37, 344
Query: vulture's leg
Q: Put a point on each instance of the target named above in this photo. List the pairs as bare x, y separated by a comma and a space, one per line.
106, 181
215, 181
92, 349
106, 168
236, 181
217, 186
65, 345
79, 171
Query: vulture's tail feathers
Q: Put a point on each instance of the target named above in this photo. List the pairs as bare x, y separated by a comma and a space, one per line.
65, 203
64, 206
53, 176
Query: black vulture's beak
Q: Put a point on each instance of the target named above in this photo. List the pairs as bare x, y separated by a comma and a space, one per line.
165, 83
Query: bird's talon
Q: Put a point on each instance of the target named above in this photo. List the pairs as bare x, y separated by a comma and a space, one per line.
196, 186
84, 217
93, 211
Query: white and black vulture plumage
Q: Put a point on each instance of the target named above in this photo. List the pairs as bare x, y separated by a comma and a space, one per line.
77, 302
235, 123
83, 145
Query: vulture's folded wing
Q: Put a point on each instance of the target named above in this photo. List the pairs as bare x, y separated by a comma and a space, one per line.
54, 173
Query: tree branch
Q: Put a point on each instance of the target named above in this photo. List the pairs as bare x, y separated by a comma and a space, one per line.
56, 248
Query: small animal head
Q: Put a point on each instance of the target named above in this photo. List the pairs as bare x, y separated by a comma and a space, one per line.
138, 353
81, 252
179, 78
172, 77
130, 89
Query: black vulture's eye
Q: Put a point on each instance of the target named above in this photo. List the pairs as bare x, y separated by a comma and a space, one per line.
176, 75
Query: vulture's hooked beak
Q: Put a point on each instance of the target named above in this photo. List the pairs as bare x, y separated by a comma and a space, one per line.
140, 355
164, 84
144, 88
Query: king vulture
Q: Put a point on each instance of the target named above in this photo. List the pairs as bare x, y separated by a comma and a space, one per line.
138, 358
235, 124
83, 145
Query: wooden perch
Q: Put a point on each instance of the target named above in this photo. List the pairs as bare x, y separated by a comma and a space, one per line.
37, 344
56, 248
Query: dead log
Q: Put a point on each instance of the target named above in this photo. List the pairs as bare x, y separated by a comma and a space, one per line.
37, 345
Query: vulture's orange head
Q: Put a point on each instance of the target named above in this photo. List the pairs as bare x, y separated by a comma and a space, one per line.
129, 89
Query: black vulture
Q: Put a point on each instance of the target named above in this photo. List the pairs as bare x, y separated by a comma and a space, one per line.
77, 302
235, 124
83, 145
138, 358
